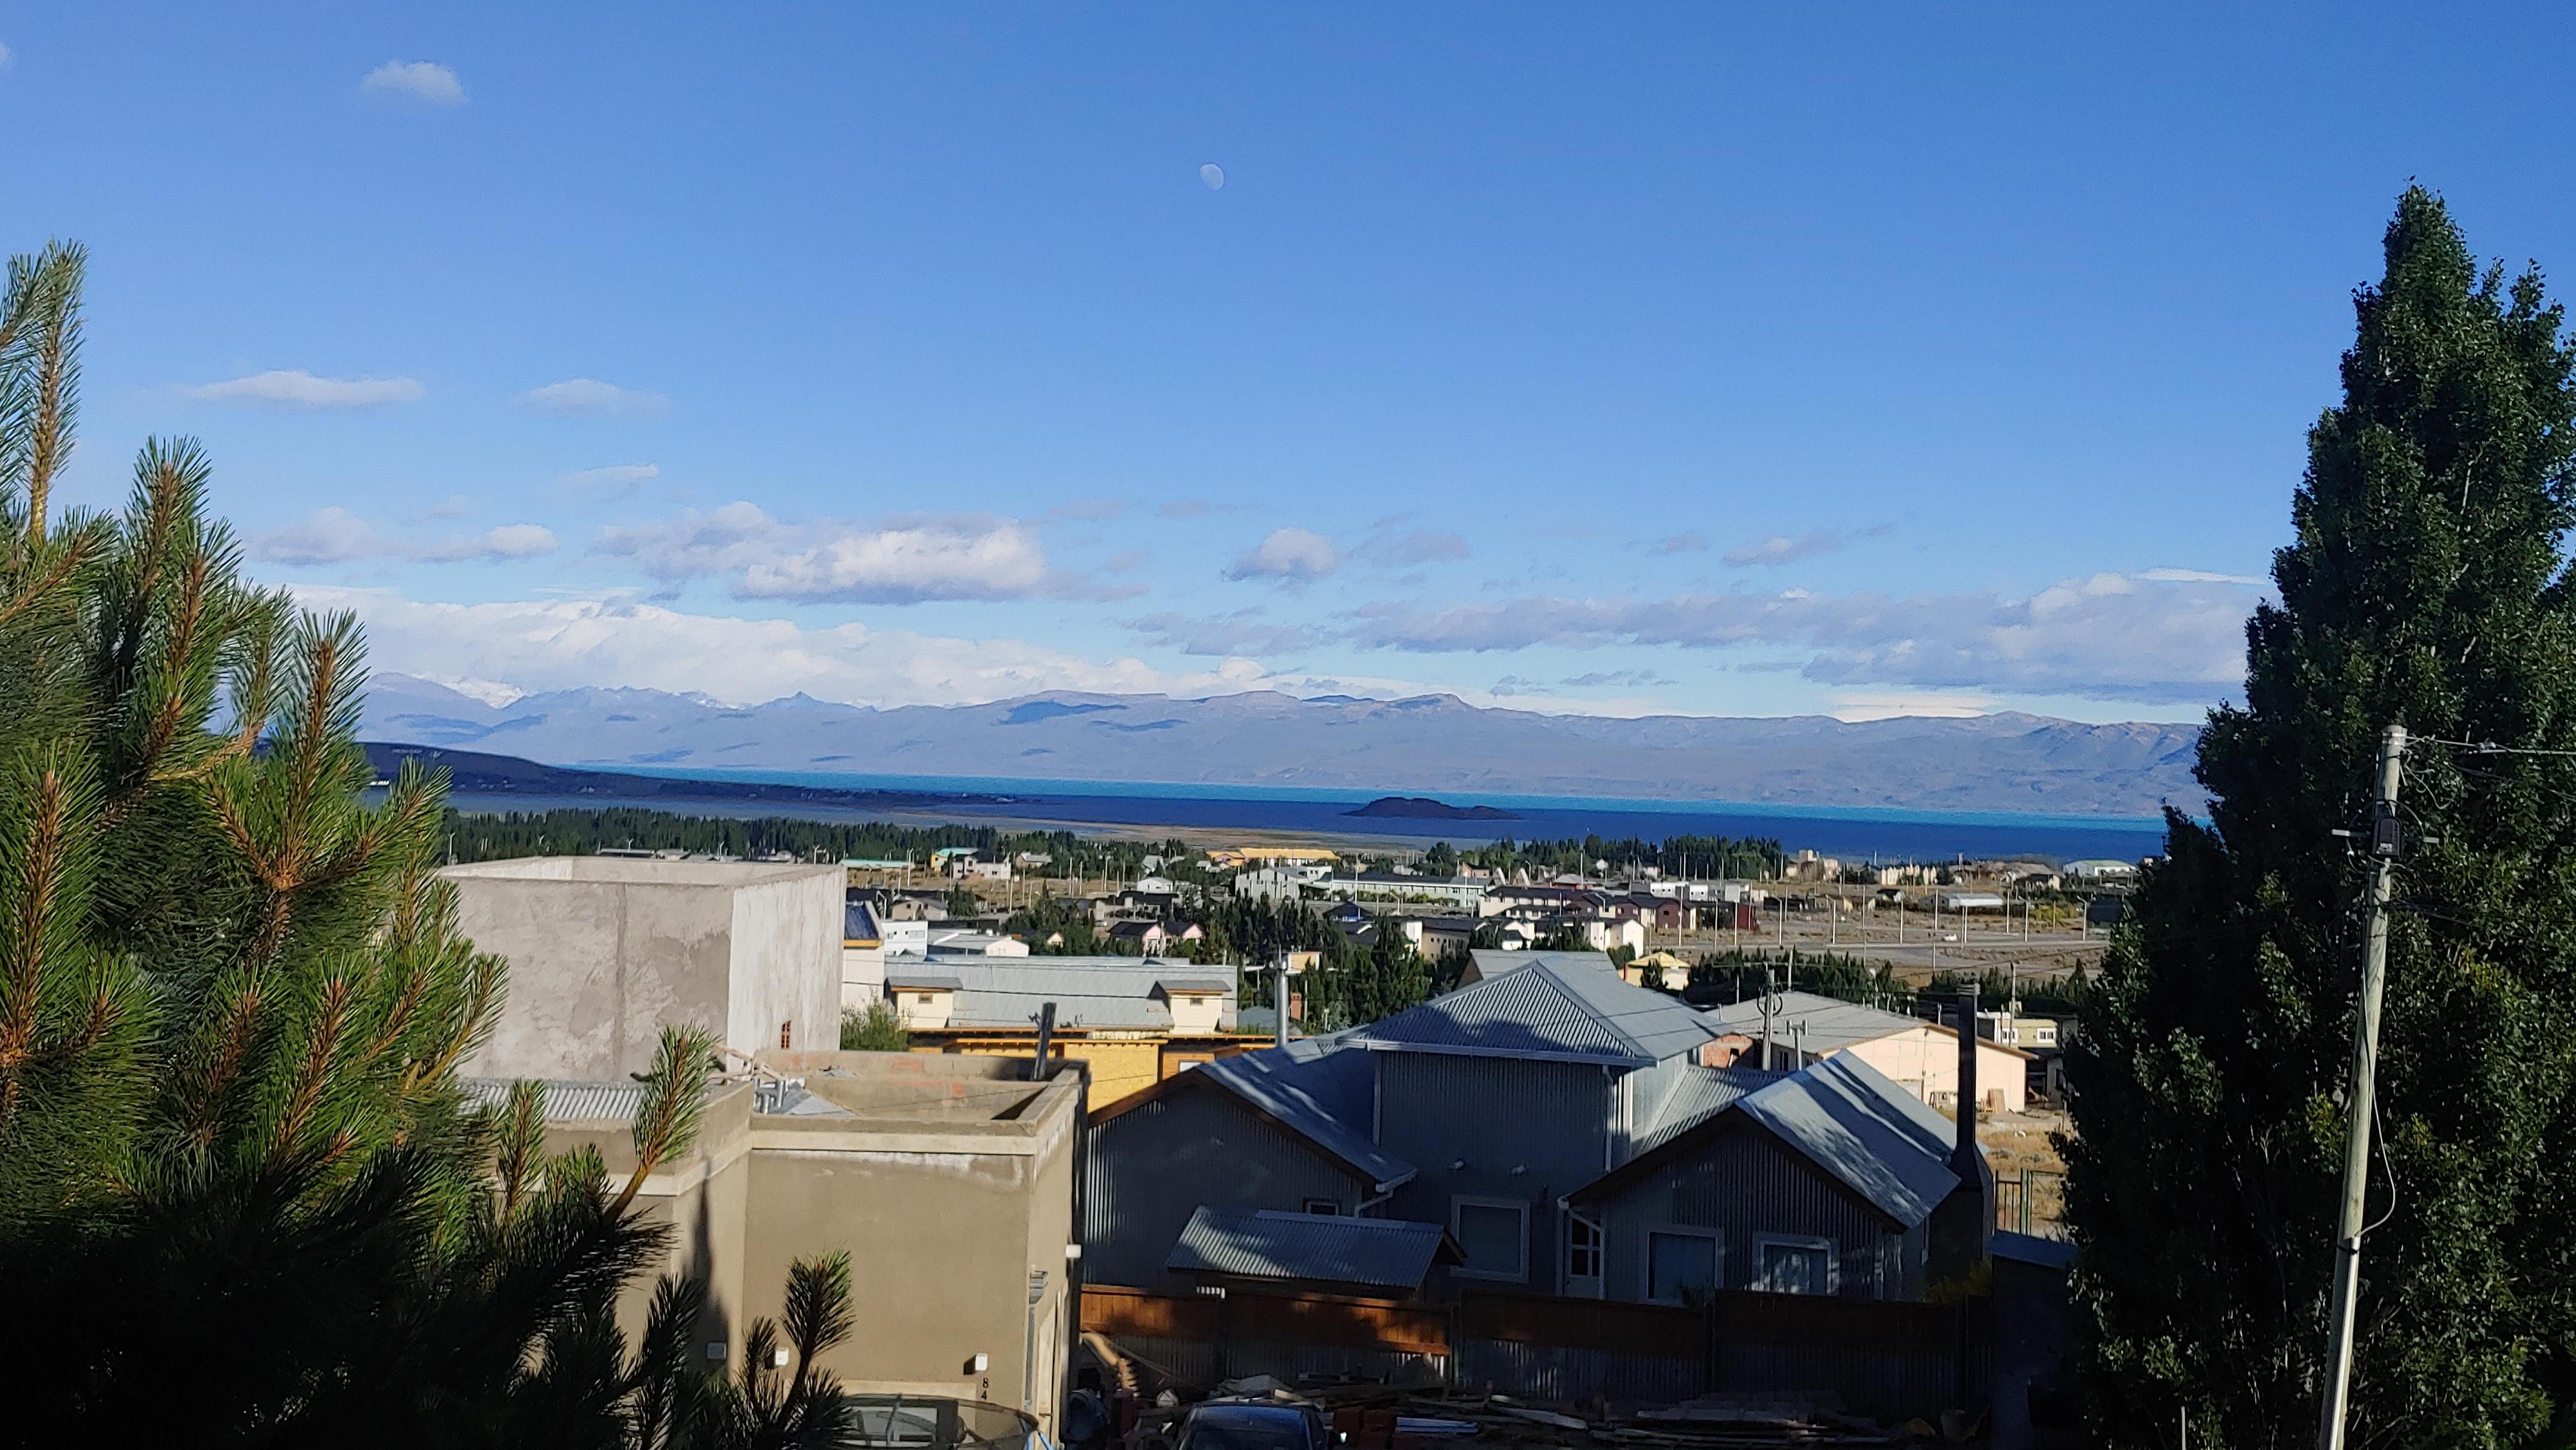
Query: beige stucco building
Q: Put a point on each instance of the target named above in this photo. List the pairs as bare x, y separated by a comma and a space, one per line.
1920, 1056
605, 951
949, 1180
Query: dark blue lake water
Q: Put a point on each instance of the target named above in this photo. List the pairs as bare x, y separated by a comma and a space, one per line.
1833, 831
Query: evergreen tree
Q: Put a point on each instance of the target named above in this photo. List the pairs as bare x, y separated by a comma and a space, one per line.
2425, 584
242, 1197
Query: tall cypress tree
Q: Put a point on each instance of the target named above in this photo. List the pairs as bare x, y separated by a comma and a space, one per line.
2426, 585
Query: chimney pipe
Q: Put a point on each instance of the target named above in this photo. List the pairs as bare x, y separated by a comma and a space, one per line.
1043, 1069
1963, 1156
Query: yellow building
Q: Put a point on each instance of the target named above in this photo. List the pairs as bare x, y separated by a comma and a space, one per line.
1133, 1021
1236, 858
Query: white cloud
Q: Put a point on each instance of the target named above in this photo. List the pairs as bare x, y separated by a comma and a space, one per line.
2111, 636
1387, 549
591, 398
554, 644
509, 541
1853, 707
6, 56
456, 506
334, 535
1788, 549
615, 481
425, 81
297, 390
2199, 576
329, 536
1291, 555
1681, 544
905, 560
1240, 633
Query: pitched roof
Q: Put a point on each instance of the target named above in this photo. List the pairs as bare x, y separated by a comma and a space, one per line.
1319, 1090
1565, 1006
1876, 1137
1842, 1115
1697, 1095
1268, 1244
1312, 1087
1829, 1025
1098, 992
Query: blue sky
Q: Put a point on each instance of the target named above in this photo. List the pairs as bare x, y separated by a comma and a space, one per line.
1653, 358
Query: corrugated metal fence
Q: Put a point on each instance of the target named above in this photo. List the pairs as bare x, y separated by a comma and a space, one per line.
1866, 1356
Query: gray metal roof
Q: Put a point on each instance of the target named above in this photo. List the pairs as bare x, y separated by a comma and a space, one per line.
1559, 1005
1828, 1025
1100, 992
1319, 1090
1697, 1095
1269, 1244
1877, 1138
566, 1101
923, 980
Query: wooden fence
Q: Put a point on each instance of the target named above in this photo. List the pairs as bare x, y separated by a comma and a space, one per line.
1863, 1355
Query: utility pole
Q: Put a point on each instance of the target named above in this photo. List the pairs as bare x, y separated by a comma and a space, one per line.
1770, 1000
2365, 1055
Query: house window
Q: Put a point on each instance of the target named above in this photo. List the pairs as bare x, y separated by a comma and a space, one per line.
1786, 1265
1681, 1265
1330, 1208
1582, 1247
1494, 1233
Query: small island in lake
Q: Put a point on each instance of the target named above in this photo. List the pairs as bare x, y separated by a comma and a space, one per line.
1424, 808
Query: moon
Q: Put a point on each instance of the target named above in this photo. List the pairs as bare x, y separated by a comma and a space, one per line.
1213, 175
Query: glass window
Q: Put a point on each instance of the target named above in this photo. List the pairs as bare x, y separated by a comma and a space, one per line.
1681, 1268
1494, 1238
1797, 1267
1326, 1206
1582, 1247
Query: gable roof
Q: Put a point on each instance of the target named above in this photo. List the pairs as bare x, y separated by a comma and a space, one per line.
1840, 1114
1698, 1094
1830, 1025
1856, 1124
1269, 1244
1553, 1006
1089, 992
1312, 1088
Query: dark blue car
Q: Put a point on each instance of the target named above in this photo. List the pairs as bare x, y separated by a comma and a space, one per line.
1252, 1425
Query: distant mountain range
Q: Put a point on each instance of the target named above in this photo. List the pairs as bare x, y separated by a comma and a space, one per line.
1429, 744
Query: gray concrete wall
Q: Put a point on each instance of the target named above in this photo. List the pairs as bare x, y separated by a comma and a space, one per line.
787, 963
946, 1211
605, 952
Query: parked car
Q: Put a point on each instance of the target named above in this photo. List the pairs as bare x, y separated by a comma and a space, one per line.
1252, 1425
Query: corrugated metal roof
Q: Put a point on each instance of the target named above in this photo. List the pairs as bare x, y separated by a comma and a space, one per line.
1552, 1005
1321, 1091
1876, 1137
1195, 984
919, 979
1698, 1094
1104, 992
566, 1101
1830, 1025
1269, 1244
1826, 1024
